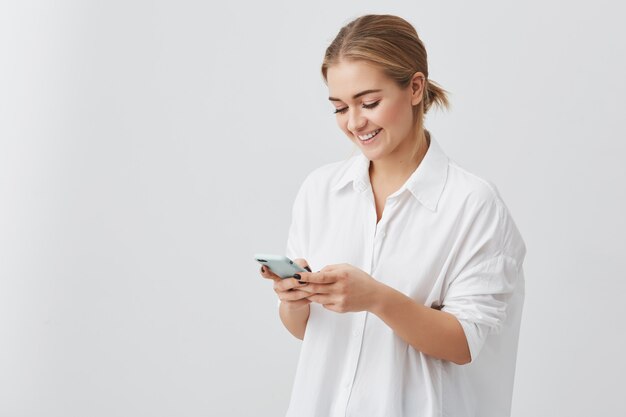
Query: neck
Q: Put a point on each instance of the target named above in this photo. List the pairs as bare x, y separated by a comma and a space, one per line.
398, 166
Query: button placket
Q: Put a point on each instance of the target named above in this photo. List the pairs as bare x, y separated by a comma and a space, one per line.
357, 334
370, 213
359, 323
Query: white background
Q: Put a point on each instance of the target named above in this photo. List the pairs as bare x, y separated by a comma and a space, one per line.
148, 149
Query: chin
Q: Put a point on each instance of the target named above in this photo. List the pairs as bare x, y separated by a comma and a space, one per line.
371, 155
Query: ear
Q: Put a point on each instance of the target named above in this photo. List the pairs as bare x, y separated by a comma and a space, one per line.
418, 83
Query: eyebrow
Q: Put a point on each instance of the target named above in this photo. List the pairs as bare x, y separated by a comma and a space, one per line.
356, 95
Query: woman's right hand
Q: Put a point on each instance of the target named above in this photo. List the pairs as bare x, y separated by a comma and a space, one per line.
288, 289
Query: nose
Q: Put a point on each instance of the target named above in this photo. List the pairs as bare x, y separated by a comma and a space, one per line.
356, 121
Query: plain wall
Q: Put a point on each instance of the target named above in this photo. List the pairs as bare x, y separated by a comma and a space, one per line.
149, 148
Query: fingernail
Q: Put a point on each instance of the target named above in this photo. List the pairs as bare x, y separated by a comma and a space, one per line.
307, 268
297, 276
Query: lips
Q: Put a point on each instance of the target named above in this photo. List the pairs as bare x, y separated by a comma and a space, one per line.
365, 138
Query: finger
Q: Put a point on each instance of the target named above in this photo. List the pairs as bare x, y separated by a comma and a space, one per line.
303, 263
318, 277
318, 288
329, 268
267, 273
287, 284
322, 299
293, 295
270, 276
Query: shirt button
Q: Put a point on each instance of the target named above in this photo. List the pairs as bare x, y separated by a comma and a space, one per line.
356, 333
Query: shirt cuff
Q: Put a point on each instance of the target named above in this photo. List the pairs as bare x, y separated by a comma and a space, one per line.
475, 336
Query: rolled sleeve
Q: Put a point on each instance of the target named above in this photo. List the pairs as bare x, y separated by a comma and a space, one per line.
479, 296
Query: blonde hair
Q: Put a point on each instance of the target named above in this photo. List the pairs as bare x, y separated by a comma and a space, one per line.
392, 44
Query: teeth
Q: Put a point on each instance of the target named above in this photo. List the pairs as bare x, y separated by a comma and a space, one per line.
370, 135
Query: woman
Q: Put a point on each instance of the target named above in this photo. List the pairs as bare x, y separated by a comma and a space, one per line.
415, 309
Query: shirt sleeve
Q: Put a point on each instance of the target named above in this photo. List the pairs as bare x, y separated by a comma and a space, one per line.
488, 274
296, 237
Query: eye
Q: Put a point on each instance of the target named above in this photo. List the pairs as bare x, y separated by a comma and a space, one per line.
365, 106
371, 105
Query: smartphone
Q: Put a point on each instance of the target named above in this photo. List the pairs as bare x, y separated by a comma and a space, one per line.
279, 264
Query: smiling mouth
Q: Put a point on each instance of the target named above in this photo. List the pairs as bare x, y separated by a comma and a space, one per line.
369, 136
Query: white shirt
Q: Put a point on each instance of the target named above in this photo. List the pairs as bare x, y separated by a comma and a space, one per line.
445, 237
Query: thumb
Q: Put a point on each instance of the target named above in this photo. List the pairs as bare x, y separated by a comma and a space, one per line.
303, 263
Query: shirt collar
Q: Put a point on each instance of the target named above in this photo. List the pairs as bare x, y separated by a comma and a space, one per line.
426, 183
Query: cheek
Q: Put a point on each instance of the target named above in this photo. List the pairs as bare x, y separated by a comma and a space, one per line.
397, 117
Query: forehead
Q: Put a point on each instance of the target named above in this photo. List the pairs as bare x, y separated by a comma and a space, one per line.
348, 78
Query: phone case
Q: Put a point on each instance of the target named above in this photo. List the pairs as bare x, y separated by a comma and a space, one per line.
279, 264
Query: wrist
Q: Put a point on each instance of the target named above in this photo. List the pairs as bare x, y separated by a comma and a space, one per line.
380, 298
290, 307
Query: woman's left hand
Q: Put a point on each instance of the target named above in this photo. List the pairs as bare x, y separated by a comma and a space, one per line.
341, 288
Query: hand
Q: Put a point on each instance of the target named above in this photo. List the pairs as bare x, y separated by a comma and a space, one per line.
341, 288
288, 289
